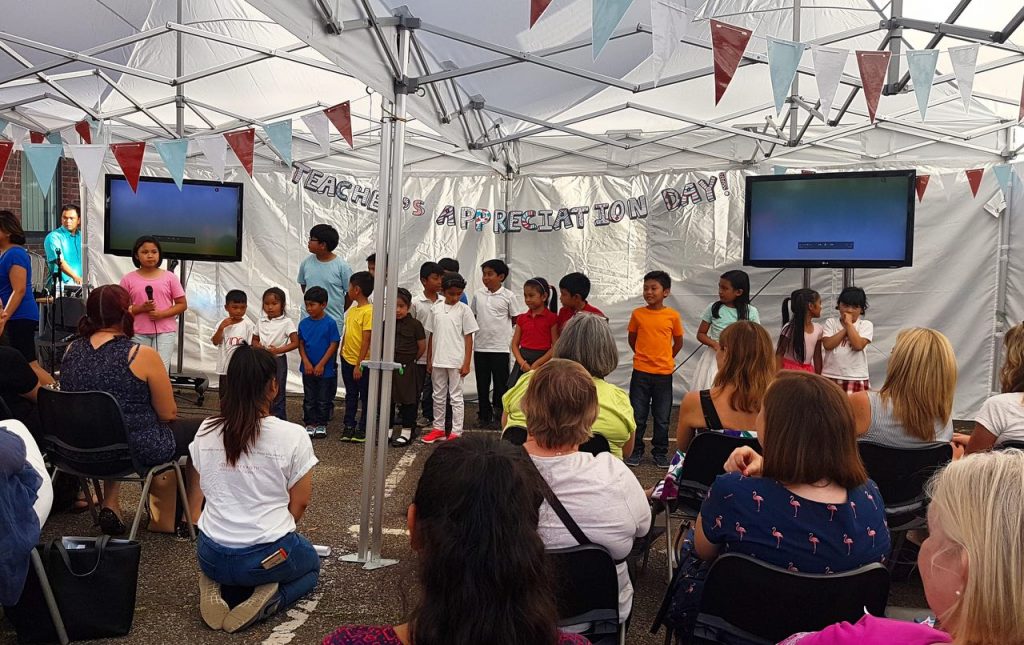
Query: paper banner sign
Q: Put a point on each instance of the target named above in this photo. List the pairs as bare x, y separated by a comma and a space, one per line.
280, 135
670, 22
965, 62
43, 158
84, 130
873, 66
606, 15
783, 61
36, 137
341, 116
6, 148
89, 159
173, 152
974, 179
537, 8
920, 185
129, 157
728, 44
921, 63
241, 143
215, 149
319, 126
1004, 175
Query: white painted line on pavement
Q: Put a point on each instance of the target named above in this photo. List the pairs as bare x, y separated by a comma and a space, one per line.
299, 614
401, 468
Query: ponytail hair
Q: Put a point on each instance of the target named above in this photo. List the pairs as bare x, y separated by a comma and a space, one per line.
739, 281
245, 395
107, 306
798, 302
549, 292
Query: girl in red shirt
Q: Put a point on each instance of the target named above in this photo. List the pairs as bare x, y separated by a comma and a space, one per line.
536, 330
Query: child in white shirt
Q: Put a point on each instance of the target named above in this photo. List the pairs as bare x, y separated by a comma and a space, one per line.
232, 332
496, 309
844, 340
278, 334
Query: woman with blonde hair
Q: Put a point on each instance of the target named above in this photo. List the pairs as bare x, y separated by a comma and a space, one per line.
1001, 418
915, 404
972, 564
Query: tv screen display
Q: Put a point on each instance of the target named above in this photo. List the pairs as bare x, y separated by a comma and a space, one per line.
202, 221
843, 219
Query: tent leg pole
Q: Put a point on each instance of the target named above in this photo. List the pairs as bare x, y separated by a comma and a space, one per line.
1001, 321
179, 129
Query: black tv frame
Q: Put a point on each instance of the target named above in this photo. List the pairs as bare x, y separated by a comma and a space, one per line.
201, 257
911, 176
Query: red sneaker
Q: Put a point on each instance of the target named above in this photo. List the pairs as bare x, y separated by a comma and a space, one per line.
454, 435
433, 436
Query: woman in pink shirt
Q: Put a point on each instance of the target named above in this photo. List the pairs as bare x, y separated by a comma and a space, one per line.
157, 298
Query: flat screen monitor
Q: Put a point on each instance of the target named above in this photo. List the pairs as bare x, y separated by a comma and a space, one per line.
202, 221
841, 219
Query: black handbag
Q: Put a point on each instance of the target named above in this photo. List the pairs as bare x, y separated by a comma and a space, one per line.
94, 583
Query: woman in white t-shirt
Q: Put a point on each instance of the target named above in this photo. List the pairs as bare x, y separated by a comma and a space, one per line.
599, 492
1001, 418
255, 471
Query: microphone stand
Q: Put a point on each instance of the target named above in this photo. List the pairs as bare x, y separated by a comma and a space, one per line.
55, 277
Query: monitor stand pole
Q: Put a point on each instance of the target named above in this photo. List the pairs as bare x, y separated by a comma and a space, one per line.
179, 380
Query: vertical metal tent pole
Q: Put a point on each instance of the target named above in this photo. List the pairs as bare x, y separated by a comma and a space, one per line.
1001, 321
794, 111
179, 129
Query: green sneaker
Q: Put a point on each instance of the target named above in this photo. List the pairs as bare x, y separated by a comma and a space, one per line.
358, 435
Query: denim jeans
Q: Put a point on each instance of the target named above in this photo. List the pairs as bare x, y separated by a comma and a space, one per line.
278, 408
356, 393
296, 576
318, 399
163, 343
651, 394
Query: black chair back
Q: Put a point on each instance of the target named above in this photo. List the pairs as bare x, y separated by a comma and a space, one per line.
84, 433
901, 473
705, 460
586, 587
597, 444
1019, 445
5, 412
796, 602
515, 435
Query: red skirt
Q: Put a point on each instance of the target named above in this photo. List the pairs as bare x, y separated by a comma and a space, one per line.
788, 364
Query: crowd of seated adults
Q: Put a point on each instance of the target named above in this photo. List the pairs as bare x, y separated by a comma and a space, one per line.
1001, 419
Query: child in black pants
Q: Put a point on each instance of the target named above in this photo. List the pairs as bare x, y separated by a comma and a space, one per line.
406, 384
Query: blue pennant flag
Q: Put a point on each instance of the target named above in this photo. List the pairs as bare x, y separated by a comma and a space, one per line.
173, 152
607, 14
779, 170
54, 138
1004, 175
922, 72
43, 158
280, 135
3, 125
783, 61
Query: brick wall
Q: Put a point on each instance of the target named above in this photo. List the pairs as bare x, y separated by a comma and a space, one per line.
10, 185
69, 190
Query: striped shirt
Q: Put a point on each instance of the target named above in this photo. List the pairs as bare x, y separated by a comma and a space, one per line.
886, 429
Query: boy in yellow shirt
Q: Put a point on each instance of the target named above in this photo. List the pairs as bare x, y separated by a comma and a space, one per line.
355, 347
655, 336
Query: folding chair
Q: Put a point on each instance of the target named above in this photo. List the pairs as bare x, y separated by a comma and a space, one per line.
587, 591
86, 438
797, 602
51, 602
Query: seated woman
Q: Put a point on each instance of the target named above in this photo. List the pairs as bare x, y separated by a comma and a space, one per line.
255, 471
1001, 418
915, 405
504, 592
599, 492
587, 340
972, 564
806, 505
25, 497
106, 359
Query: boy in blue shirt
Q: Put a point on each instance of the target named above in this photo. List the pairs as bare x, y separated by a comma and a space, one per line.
318, 347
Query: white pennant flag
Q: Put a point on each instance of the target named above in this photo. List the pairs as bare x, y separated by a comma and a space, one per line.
965, 61
828, 70
320, 126
670, 22
89, 159
18, 135
215, 149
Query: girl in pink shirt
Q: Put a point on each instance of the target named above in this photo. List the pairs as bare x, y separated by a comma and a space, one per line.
157, 298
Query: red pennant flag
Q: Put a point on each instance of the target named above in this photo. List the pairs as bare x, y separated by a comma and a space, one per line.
537, 7
728, 44
6, 147
84, 131
974, 179
873, 67
242, 143
921, 185
36, 137
129, 157
341, 116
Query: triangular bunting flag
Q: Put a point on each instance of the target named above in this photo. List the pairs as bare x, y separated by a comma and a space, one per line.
54, 138
84, 130
6, 148
341, 116
173, 152
922, 72
3, 126
779, 170
320, 127
215, 149
728, 44
965, 62
18, 135
129, 157
1004, 175
670, 22
873, 66
89, 159
242, 143
606, 15
783, 61
36, 137
280, 135
43, 158
920, 185
974, 179
537, 8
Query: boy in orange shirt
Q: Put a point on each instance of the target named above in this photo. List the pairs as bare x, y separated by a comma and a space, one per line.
655, 336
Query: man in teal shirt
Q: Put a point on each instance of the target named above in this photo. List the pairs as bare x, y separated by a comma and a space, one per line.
67, 239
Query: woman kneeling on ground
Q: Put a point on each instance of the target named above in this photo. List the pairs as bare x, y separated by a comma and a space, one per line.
256, 473
483, 573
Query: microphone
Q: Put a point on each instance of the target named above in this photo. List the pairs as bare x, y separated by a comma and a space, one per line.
57, 249
149, 292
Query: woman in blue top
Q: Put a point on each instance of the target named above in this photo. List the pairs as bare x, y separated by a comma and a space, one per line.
806, 505
19, 316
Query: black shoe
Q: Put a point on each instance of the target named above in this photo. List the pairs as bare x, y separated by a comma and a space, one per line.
110, 523
634, 459
661, 461
358, 435
347, 434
